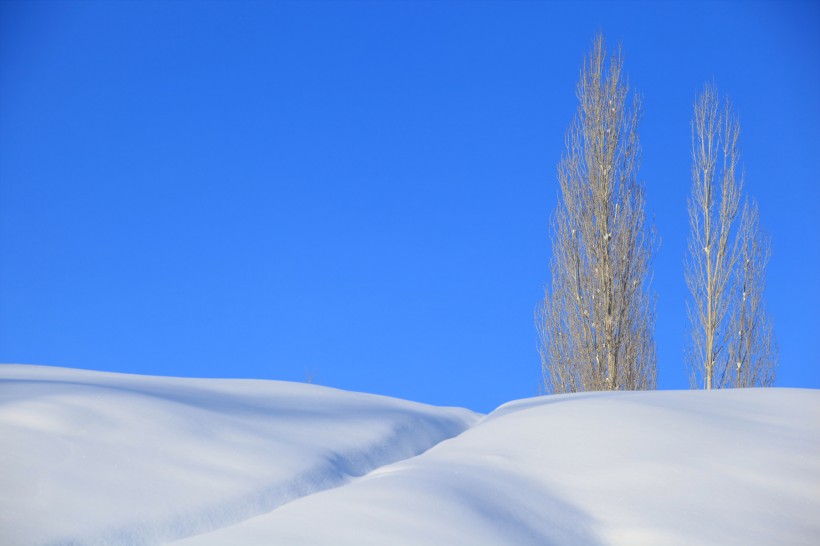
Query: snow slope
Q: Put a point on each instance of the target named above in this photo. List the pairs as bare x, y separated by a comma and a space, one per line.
96, 458
99, 458
654, 468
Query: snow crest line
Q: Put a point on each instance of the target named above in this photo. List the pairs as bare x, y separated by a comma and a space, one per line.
117, 459
340, 470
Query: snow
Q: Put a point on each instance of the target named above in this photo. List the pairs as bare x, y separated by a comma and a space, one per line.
728, 467
101, 458
96, 458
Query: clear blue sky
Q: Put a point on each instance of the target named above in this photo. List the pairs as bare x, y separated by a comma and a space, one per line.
361, 191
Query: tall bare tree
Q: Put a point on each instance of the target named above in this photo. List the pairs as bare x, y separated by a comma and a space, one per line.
726, 261
752, 358
596, 322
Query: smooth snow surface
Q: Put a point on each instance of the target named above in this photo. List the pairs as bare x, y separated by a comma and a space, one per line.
724, 467
93, 458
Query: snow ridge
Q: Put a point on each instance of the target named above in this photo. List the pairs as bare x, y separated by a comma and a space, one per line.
723, 468
92, 458
117, 459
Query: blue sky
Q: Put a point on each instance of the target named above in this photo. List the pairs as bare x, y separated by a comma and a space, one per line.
360, 191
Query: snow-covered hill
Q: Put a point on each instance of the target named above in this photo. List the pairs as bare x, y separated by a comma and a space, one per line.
101, 458
95, 458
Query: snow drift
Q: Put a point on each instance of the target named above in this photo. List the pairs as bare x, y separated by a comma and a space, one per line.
102, 458
722, 467
93, 458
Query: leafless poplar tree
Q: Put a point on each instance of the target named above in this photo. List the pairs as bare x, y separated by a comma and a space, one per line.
725, 265
596, 322
753, 347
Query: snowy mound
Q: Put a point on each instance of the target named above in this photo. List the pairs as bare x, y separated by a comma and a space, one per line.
96, 458
720, 468
101, 458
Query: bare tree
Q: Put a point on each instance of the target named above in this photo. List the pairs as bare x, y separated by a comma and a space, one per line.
713, 207
726, 252
596, 322
753, 347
